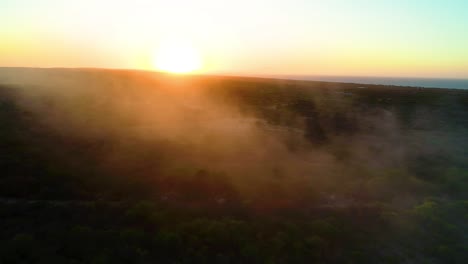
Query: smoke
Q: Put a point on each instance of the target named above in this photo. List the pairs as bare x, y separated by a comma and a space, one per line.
174, 133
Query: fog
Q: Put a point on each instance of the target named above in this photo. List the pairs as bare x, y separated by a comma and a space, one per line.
161, 130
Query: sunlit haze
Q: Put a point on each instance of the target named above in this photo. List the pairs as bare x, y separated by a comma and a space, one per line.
243, 131
307, 37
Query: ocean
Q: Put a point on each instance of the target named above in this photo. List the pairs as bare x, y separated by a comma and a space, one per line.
414, 82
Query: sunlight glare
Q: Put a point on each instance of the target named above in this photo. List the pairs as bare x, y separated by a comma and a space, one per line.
177, 56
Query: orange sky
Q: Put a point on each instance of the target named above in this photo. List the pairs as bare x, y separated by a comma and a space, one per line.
388, 38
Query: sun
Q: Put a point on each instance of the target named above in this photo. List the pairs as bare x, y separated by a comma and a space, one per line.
177, 56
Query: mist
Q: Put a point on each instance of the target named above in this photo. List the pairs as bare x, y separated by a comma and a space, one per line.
168, 132
168, 167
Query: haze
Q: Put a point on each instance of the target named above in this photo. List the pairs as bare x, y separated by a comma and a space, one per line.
233, 132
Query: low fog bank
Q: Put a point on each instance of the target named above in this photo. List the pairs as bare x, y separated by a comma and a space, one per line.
261, 143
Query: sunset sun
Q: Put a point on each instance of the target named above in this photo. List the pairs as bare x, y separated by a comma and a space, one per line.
177, 56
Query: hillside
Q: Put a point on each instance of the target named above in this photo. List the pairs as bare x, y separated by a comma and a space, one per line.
117, 166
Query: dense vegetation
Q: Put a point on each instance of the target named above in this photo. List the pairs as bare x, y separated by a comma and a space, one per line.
134, 167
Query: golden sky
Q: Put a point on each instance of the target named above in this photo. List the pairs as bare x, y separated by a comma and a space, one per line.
308, 37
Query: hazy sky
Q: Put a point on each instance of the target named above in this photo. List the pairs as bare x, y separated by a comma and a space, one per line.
333, 37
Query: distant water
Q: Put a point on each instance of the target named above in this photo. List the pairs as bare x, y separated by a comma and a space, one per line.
415, 82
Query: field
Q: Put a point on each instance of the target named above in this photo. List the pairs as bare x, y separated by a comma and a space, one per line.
116, 166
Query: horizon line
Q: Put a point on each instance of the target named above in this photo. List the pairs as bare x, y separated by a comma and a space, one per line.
241, 74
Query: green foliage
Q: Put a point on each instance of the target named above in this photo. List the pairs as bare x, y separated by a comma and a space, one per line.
395, 192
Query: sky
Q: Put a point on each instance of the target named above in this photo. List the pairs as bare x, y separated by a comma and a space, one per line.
419, 38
